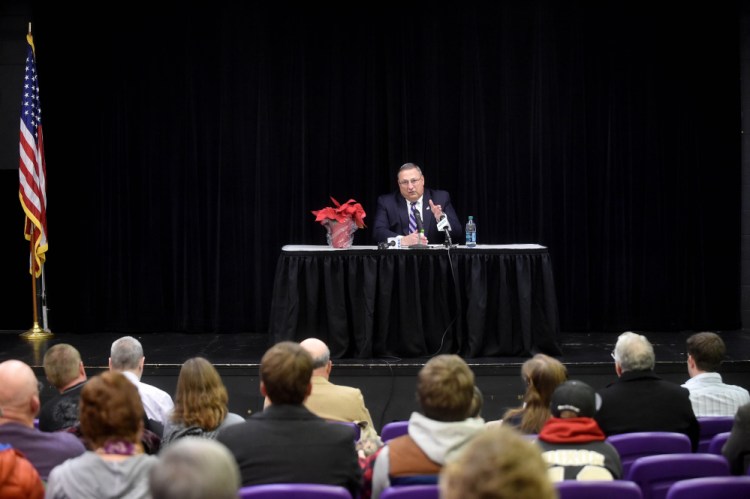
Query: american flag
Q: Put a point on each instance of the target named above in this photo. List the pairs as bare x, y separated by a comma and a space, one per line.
32, 170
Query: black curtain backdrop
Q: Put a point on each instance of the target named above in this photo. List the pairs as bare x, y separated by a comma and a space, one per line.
186, 145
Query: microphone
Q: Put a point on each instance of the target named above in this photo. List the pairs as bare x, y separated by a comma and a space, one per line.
420, 229
445, 226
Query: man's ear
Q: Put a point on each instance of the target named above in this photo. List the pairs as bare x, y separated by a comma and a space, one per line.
309, 389
618, 369
263, 390
691, 362
34, 405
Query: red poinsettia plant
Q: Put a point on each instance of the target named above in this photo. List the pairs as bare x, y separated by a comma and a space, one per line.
351, 210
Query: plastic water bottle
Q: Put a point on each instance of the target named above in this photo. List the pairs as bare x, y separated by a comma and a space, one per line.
471, 233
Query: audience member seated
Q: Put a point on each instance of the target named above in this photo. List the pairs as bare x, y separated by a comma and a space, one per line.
126, 356
200, 403
709, 395
572, 443
64, 370
445, 390
641, 401
112, 422
18, 477
286, 443
19, 404
477, 402
498, 464
541, 374
195, 468
737, 447
334, 402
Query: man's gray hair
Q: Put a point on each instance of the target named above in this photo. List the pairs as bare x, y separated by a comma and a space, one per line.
322, 360
195, 468
126, 353
409, 166
634, 352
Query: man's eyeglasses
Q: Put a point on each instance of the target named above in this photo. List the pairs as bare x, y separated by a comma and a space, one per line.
413, 181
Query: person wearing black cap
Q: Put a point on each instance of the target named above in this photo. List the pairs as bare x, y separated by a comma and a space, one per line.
572, 443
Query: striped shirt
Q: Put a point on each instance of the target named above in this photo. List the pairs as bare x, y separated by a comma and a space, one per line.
711, 397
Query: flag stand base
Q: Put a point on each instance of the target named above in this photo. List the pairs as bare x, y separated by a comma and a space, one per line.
36, 333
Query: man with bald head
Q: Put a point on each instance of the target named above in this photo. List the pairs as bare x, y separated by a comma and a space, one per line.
19, 402
334, 402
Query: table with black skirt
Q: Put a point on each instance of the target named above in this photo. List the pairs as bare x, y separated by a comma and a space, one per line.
364, 302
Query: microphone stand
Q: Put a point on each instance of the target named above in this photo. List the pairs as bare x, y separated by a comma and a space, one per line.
444, 222
420, 228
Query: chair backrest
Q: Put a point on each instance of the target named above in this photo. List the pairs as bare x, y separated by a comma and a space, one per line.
415, 480
410, 492
354, 426
655, 474
299, 490
632, 446
394, 429
711, 426
724, 487
618, 489
718, 442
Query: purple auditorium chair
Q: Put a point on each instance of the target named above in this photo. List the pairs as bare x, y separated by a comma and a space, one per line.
354, 426
718, 442
632, 446
410, 492
394, 429
655, 474
724, 487
618, 489
711, 426
297, 490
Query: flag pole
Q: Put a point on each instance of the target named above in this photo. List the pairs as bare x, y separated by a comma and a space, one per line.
36, 332
32, 173
45, 319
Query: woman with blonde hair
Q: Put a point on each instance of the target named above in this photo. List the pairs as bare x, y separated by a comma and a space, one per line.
498, 464
200, 404
541, 374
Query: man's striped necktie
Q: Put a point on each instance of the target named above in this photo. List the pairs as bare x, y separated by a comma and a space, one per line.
413, 218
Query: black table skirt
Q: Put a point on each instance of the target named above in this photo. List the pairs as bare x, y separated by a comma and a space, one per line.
416, 303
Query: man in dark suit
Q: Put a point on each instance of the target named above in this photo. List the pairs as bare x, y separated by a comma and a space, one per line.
286, 443
393, 217
641, 401
737, 447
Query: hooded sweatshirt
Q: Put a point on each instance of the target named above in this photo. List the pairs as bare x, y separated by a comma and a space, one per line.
575, 449
428, 446
91, 476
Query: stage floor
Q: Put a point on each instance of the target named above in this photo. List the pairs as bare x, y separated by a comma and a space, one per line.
387, 383
164, 349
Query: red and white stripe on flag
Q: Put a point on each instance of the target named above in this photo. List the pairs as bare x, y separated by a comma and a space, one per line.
32, 170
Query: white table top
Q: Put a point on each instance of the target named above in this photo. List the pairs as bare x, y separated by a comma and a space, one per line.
311, 247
